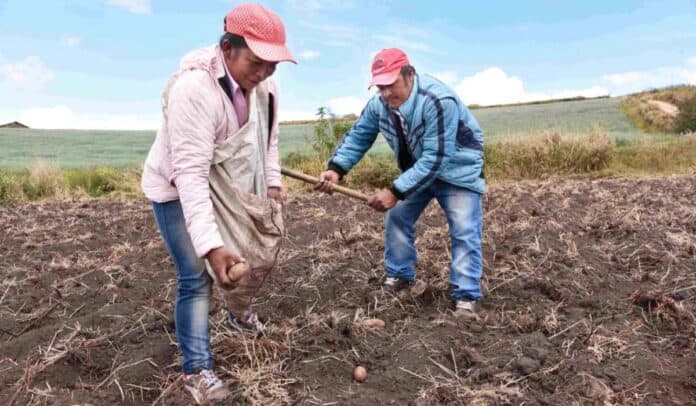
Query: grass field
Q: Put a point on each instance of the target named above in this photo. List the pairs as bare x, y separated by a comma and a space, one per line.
21, 148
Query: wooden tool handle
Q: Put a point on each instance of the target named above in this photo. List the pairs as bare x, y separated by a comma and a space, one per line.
311, 179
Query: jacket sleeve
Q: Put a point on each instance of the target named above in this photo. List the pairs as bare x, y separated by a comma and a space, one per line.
273, 178
438, 146
192, 115
357, 141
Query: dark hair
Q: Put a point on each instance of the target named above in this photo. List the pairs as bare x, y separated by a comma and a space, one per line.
407, 70
235, 41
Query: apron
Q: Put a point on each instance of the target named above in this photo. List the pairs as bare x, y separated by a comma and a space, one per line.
251, 225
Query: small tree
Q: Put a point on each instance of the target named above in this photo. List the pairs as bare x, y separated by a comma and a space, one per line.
327, 133
322, 112
322, 143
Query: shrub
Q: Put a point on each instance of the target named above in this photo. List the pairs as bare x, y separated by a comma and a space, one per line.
10, 187
550, 153
376, 171
686, 119
44, 180
47, 181
96, 181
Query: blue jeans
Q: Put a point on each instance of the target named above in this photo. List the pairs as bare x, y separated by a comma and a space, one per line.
463, 209
195, 287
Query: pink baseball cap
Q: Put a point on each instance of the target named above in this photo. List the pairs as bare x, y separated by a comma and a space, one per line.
386, 66
262, 30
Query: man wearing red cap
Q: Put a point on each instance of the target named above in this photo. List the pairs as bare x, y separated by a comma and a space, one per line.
218, 117
439, 148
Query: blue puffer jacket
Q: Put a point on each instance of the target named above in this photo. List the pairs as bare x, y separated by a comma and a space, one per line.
444, 139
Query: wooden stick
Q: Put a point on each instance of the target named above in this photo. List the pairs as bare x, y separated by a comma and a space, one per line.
311, 179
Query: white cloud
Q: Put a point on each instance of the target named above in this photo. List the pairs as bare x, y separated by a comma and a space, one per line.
317, 5
334, 29
666, 36
134, 6
494, 86
293, 115
70, 41
29, 73
592, 91
621, 79
448, 77
333, 35
308, 54
490, 86
62, 117
341, 106
392, 41
628, 82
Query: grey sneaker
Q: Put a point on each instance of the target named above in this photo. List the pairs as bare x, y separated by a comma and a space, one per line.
396, 284
466, 309
205, 386
251, 324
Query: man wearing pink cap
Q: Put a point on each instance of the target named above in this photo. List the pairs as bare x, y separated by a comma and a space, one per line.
439, 148
219, 108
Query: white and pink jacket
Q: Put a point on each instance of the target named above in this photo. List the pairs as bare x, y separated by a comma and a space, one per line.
197, 115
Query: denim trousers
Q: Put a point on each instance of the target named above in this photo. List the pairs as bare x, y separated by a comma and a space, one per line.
194, 288
464, 212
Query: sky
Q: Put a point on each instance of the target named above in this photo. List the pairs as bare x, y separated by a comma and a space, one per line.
102, 64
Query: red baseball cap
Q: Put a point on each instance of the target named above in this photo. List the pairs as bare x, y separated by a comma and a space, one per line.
386, 66
262, 30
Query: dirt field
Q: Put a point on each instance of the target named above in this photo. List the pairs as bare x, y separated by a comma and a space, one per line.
589, 299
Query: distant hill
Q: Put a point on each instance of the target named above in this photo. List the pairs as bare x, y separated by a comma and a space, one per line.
14, 124
530, 103
666, 110
352, 117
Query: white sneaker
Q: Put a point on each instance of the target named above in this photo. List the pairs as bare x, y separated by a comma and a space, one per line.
251, 324
466, 309
205, 386
469, 305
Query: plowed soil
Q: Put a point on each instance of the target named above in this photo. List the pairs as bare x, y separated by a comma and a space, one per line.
589, 299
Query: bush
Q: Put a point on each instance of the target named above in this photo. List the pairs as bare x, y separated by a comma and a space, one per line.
10, 188
686, 119
45, 180
551, 153
96, 181
375, 171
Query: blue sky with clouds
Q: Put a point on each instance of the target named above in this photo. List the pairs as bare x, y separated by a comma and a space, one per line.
103, 63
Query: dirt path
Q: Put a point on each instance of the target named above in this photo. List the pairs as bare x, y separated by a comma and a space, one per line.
590, 298
667, 108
